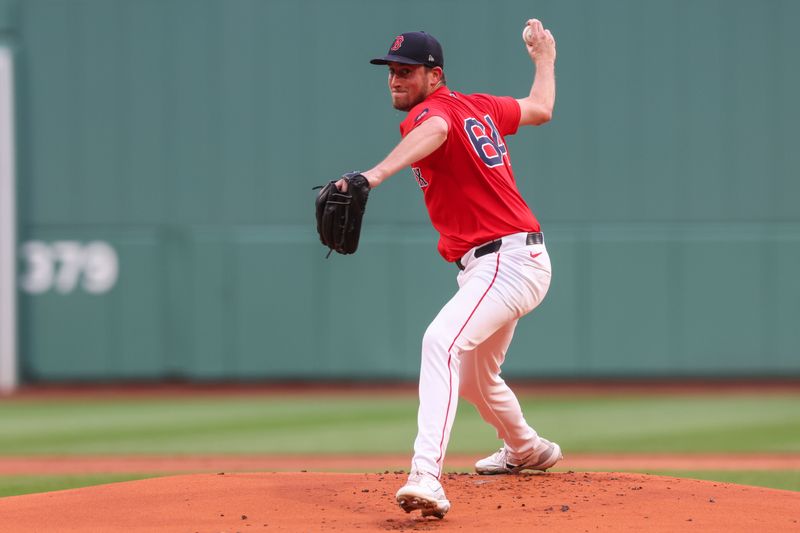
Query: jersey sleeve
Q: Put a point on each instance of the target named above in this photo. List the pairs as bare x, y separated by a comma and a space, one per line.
505, 111
422, 112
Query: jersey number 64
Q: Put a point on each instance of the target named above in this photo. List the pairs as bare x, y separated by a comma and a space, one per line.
490, 148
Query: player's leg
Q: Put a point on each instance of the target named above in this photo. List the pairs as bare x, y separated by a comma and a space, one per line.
497, 404
494, 291
468, 319
482, 386
529, 269
472, 315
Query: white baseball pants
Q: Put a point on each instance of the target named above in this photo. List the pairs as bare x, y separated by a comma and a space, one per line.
466, 343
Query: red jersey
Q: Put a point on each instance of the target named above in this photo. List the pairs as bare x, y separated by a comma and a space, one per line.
468, 184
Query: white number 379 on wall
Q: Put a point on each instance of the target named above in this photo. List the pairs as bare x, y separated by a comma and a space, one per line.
61, 265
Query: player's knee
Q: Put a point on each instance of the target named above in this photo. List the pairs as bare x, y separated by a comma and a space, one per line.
434, 340
468, 389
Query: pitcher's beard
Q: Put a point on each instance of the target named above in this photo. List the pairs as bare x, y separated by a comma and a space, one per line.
404, 103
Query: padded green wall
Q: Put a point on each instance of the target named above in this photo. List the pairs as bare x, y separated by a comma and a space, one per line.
188, 134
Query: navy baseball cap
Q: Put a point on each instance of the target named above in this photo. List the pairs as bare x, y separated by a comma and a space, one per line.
413, 48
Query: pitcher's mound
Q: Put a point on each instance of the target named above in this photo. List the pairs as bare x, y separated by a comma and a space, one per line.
365, 502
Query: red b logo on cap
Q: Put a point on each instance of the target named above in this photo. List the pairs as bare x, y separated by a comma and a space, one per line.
398, 42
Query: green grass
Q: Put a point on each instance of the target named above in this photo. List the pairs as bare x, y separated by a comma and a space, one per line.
740, 423
787, 480
666, 424
232, 425
30, 484
252, 424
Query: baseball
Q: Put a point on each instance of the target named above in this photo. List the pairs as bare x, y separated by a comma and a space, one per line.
527, 36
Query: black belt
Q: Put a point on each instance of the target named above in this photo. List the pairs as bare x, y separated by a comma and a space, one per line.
492, 247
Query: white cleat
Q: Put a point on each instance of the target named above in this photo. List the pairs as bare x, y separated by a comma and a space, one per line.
423, 492
501, 462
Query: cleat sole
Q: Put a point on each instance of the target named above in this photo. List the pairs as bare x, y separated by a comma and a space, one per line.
428, 507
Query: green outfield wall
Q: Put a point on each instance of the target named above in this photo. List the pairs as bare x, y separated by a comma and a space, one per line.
166, 151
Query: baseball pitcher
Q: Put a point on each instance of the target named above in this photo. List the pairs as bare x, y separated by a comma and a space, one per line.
455, 146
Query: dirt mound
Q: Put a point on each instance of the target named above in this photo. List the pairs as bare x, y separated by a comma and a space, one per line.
365, 502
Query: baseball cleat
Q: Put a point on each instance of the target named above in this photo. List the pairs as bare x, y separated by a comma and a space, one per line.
423, 492
501, 462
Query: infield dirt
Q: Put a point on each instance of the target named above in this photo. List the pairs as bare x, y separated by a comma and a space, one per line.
305, 501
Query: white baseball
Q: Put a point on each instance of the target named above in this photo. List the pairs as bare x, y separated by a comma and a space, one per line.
527, 35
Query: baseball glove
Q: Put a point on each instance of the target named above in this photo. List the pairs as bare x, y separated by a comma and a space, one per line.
339, 214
